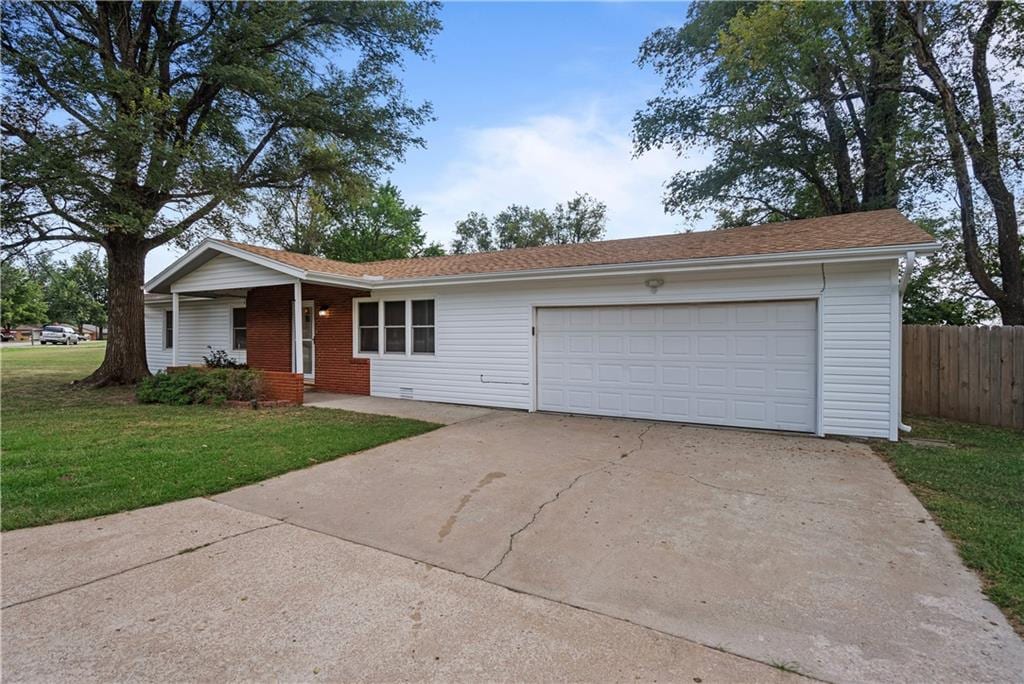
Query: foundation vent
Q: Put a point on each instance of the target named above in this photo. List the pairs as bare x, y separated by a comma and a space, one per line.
405, 393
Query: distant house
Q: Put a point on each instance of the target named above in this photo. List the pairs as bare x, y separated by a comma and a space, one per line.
789, 326
94, 332
24, 333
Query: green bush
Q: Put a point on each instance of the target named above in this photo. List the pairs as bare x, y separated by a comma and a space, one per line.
195, 386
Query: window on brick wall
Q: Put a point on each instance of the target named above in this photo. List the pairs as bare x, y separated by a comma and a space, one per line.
369, 329
238, 328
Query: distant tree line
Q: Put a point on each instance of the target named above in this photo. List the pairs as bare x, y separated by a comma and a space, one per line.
39, 290
581, 219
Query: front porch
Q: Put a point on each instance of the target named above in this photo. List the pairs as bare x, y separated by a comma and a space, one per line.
299, 332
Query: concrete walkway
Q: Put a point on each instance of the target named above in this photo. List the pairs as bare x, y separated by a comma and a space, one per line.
200, 591
431, 412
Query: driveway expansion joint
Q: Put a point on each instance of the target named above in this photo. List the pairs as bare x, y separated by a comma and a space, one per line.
180, 552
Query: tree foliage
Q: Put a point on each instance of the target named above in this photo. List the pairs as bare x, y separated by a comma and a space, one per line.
796, 100
375, 227
941, 291
21, 297
76, 291
581, 219
823, 108
134, 124
972, 78
338, 223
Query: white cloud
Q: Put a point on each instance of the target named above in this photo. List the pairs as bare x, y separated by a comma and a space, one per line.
539, 162
545, 160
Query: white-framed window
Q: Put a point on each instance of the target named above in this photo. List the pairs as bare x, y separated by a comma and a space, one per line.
238, 328
368, 315
394, 326
169, 329
423, 326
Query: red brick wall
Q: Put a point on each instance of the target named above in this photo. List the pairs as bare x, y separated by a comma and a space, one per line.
269, 335
336, 370
268, 316
280, 386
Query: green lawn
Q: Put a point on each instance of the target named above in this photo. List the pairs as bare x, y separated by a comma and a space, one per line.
975, 490
70, 453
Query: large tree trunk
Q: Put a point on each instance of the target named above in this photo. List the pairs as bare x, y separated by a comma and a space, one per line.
882, 109
125, 360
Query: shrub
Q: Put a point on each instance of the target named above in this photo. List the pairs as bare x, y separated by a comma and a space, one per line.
195, 386
237, 384
219, 358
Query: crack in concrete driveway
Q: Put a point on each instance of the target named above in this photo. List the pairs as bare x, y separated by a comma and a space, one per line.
779, 548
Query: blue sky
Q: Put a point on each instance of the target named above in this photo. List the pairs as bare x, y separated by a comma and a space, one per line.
534, 102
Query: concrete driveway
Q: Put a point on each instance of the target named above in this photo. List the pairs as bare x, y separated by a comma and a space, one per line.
634, 549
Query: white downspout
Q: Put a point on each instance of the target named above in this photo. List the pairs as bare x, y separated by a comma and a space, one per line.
904, 281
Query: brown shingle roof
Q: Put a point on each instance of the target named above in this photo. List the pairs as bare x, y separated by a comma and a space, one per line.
882, 228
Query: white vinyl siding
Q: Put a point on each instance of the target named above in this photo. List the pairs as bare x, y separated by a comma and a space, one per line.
859, 349
225, 272
202, 323
484, 347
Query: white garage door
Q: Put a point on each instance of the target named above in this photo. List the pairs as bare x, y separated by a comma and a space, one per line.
750, 364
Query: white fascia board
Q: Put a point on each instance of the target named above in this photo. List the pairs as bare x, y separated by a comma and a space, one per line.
341, 281
675, 266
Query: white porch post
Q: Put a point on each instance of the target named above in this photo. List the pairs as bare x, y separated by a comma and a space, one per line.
297, 328
174, 328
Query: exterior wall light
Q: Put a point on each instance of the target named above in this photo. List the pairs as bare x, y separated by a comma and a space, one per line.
654, 284
323, 310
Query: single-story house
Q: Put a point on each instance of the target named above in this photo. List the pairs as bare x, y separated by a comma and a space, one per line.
788, 326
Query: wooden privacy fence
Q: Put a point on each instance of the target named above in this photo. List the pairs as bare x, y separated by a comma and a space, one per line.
972, 374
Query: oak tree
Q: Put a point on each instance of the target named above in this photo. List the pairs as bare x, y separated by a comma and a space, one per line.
131, 125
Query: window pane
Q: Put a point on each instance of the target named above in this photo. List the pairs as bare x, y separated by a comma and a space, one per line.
394, 339
307, 357
394, 313
239, 339
169, 329
368, 339
423, 312
238, 317
368, 314
423, 340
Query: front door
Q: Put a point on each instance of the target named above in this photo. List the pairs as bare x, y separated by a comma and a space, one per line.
308, 335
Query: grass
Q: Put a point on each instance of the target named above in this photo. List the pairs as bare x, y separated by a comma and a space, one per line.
975, 491
70, 452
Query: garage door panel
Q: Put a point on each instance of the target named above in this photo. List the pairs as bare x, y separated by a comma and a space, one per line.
675, 375
730, 364
675, 345
712, 346
642, 344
